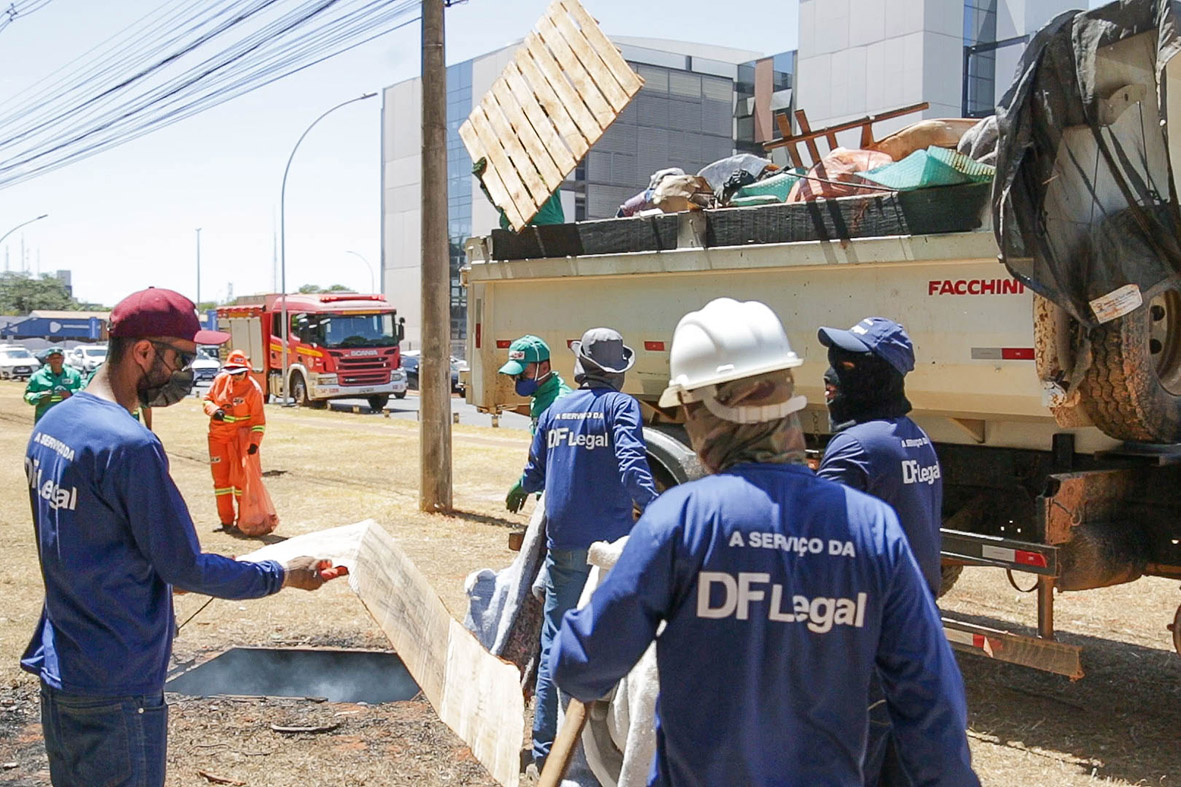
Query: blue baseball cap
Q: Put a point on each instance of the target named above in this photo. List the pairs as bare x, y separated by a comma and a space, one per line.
884, 338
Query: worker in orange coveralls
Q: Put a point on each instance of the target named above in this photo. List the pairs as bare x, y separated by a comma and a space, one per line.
234, 407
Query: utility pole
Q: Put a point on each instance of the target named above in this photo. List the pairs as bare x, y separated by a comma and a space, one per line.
434, 375
199, 271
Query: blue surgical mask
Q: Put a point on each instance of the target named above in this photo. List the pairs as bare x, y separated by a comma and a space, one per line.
525, 386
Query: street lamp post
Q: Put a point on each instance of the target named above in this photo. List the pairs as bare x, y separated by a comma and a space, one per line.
199, 271
22, 224
372, 278
283, 238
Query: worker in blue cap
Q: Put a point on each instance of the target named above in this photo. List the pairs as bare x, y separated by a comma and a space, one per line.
878, 450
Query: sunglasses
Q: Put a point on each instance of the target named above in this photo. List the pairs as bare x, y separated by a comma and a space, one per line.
184, 358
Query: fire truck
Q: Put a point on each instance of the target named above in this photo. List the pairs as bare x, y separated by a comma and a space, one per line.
340, 345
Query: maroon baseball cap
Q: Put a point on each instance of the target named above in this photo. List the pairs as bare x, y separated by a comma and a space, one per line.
160, 312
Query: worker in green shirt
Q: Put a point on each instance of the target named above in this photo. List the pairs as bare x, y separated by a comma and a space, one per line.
529, 366
52, 383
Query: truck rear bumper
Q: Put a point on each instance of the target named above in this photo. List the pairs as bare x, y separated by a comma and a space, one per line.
358, 391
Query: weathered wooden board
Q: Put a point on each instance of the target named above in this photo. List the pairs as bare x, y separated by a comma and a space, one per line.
475, 694
566, 84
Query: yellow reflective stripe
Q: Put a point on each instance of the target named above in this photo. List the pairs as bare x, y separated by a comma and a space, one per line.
233, 419
220, 492
258, 428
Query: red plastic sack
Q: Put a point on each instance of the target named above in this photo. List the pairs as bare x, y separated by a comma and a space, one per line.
256, 512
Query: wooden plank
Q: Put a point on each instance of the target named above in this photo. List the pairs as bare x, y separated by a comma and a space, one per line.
809, 139
590, 60
583, 82
496, 186
848, 124
550, 174
555, 110
546, 128
623, 73
556, 79
517, 155
475, 694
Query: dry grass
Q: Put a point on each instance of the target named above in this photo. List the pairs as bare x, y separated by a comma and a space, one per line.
1116, 726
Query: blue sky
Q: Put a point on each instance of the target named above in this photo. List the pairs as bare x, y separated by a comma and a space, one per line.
125, 219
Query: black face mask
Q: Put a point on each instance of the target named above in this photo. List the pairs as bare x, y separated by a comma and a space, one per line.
867, 389
164, 389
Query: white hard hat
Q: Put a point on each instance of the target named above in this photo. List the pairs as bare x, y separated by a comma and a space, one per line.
728, 340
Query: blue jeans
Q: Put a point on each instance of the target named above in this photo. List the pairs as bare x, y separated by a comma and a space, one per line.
566, 573
104, 741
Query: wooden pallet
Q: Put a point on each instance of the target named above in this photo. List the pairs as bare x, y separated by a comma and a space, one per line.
564, 87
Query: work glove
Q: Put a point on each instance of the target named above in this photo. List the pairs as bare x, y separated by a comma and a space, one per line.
516, 498
538, 586
303, 573
219, 414
252, 450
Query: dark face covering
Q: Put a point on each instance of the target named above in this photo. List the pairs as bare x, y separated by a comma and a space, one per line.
867, 389
162, 387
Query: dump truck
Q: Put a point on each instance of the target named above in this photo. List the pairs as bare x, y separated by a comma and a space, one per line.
1050, 385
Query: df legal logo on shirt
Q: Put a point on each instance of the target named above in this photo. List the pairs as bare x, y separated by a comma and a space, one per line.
55, 495
914, 473
572, 439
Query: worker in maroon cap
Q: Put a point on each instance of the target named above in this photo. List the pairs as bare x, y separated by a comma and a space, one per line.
114, 540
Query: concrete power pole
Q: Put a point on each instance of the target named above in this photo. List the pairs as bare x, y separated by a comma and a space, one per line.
434, 377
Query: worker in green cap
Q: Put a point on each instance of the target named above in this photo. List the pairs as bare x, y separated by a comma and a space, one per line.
529, 366
52, 384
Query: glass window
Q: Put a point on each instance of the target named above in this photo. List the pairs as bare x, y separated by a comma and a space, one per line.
345, 330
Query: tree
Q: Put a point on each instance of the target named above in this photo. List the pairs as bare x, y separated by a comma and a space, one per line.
21, 293
312, 289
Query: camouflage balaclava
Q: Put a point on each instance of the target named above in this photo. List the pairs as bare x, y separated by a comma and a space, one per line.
720, 444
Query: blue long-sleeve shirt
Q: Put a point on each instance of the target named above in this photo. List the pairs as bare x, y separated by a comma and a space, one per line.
893, 460
782, 593
589, 456
114, 537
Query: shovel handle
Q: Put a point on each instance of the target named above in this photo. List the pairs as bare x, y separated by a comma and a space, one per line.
564, 745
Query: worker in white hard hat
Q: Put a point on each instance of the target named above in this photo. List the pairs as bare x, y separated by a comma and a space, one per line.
589, 456
779, 593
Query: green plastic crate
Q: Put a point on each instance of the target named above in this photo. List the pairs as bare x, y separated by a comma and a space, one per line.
928, 168
778, 186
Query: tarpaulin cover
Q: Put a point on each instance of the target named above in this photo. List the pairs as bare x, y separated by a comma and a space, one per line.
1084, 202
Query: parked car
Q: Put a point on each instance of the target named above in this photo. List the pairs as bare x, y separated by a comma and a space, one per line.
410, 366
205, 367
87, 358
17, 363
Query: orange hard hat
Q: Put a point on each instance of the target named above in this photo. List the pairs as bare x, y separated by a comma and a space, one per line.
237, 362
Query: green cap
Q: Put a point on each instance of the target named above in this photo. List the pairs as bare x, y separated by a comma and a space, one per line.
524, 351
55, 350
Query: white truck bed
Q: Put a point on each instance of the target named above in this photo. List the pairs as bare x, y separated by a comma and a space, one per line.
971, 323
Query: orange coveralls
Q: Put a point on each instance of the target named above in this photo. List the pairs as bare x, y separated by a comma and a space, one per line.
241, 400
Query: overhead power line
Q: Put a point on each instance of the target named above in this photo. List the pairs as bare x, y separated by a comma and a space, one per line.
19, 10
184, 58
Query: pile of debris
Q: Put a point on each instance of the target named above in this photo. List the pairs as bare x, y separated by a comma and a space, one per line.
926, 154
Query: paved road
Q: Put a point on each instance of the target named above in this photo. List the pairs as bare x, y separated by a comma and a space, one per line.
407, 409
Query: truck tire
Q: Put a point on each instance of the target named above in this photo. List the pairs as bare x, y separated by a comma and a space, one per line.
299, 390
400, 395
377, 402
1132, 391
951, 572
